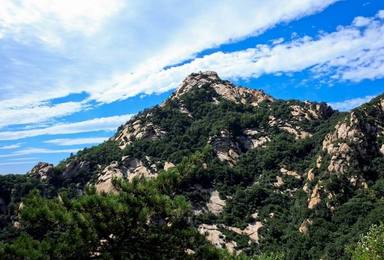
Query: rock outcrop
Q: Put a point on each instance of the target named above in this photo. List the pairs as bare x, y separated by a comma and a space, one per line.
128, 168
251, 230
137, 129
42, 171
294, 174
225, 147
356, 137
216, 237
315, 198
310, 111
215, 204
168, 165
304, 227
296, 131
76, 167
213, 234
104, 181
252, 138
223, 88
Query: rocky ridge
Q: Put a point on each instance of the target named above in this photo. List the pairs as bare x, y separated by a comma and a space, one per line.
337, 147
223, 88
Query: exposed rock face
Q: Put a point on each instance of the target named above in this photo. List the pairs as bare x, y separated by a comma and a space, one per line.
310, 111
382, 149
135, 168
241, 95
216, 238
290, 173
213, 234
128, 168
296, 131
315, 198
310, 175
215, 204
288, 127
252, 139
137, 129
168, 165
338, 143
304, 227
42, 171
252, 230
279, 182
310, 178
225, 148
223, 88
354, 139
75, 167
104, 182
335, 144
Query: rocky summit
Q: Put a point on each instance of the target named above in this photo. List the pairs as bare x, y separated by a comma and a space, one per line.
217, 171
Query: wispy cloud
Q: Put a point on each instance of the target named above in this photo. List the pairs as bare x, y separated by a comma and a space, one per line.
17, 163
32, 150
349, 104
42, 112
10, 147
92, 125
77, 141
351, 53
23, 159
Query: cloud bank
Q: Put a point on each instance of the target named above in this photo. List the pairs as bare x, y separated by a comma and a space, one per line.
116, 46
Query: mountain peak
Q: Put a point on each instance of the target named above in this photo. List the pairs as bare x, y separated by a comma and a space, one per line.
197, 80
223, 88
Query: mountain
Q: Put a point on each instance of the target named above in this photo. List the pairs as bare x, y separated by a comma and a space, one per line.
256, 176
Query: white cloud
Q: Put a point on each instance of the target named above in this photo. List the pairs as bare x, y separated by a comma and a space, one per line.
31, 150
99, 39
349, 104
46, 19
92, 125
231, 21
10, 147
361, 21
351, 53
380, 14
77, 141
38, 113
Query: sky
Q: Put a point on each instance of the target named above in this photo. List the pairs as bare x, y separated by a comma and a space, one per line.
72, 71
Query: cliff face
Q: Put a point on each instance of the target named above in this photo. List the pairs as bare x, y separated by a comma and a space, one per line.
255, 168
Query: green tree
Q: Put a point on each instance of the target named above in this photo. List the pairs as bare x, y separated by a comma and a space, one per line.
371, 245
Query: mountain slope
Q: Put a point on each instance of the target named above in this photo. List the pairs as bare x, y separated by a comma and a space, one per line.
261, 174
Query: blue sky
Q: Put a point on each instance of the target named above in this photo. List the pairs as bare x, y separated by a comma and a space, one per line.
73, 71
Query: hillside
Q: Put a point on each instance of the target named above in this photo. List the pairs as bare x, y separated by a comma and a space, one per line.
251, 174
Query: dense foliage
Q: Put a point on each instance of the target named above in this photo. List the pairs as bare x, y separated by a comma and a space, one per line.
371, 245
138, 223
